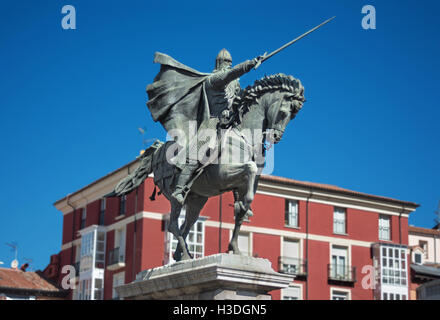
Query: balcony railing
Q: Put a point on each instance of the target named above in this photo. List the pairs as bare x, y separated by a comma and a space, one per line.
341, 272
292, 266
116, 258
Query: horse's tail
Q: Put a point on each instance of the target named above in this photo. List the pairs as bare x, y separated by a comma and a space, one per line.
133, 180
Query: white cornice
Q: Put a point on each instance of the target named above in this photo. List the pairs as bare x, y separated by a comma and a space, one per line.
334, 199
95, 191
106, 185
245, 228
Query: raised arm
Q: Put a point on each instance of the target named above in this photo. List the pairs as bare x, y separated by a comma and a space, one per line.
222, 78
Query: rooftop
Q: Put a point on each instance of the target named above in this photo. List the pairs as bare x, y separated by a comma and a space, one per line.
274, 179
424, 231
18, 280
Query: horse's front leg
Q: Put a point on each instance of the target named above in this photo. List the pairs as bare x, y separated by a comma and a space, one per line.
242, 205
194, 205
239, 214
173, 227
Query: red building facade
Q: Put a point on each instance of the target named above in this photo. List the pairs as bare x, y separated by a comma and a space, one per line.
339, 243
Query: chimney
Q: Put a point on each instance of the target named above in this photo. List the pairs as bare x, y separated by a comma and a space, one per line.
24, 267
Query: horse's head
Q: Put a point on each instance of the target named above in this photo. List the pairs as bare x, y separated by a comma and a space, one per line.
276, 99
283, 103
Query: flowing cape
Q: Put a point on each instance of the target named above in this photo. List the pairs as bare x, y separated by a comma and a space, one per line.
177, 94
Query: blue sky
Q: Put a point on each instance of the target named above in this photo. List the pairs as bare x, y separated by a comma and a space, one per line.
71, 100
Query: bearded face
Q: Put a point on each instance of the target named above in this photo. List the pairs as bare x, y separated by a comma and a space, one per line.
224, 64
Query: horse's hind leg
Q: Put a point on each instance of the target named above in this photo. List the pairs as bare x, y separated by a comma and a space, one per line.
242, 206
194, 205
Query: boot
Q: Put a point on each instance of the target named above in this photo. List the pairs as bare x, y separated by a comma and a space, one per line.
181, 187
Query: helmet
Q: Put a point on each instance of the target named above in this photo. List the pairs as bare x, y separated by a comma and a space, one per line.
222, 57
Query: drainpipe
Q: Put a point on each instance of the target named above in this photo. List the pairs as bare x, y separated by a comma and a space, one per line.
220, 201
73, 228
435, 249
400, 225
134, 236
307, 242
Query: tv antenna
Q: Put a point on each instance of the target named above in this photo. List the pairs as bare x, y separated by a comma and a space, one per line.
145, 141
14, 247
437, 213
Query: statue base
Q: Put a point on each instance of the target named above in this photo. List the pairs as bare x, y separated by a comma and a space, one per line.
218, 277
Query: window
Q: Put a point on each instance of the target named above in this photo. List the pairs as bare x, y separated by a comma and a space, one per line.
123, 205
384, 228
394, 267
102, 212
339, 221
291, 293
100, 250
393, 296
417, 258
290, 262
119, 245
118, 280
340, 295
98, 289
83, 218
85, 289
87, 247
339, 268
77, 259
291, 213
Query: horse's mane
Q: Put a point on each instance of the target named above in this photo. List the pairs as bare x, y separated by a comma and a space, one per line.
277, 82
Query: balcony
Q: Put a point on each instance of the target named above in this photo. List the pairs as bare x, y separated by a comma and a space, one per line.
294, 266
341, 273
116, 259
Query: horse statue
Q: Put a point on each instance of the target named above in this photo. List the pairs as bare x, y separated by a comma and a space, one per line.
260, 116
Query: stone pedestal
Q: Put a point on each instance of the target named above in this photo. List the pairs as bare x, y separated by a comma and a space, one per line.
218, 277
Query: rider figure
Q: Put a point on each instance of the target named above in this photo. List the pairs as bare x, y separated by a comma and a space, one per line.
221, 88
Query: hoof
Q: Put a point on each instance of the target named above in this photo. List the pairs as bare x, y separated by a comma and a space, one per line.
186, 257
177, 256
234, 249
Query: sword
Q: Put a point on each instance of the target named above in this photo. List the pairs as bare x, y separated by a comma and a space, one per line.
265, 57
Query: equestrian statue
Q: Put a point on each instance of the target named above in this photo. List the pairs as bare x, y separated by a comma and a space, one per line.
218, 136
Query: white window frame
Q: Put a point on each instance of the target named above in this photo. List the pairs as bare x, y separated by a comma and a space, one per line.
421, 257
339, 221
384, 228
389, 295
335, 291
120, 241
392, 275
285, 292
334, 247
286, 258
292, 212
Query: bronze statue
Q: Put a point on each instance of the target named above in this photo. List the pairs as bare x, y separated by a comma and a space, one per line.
239, 123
